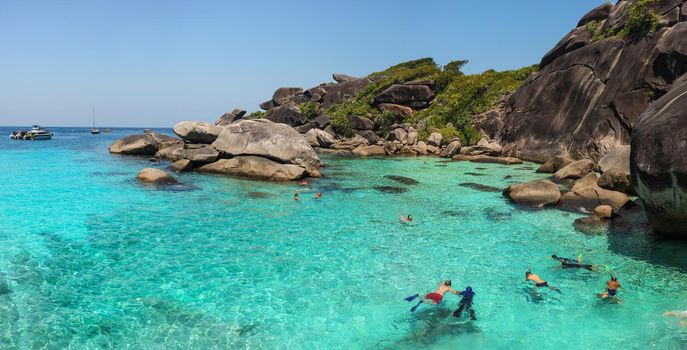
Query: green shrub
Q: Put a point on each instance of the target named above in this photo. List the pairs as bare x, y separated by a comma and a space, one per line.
385, 120
458, 97
448, 133
468, 95
256, 114
641, 20
309, 109
341, 125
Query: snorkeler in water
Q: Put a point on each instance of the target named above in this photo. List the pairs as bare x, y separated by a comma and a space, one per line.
538, 282
681, 315
295, 197
435, 297
611, 290
408, 218
567, 263
466, 304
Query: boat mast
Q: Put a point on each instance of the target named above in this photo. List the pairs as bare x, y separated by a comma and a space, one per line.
93, 119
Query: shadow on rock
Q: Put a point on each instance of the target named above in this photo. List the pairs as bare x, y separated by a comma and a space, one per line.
631, 235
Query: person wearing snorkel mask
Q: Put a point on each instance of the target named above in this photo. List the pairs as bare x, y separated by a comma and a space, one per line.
611, 289
466, 304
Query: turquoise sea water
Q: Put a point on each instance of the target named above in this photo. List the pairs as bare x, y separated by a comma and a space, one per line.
90, 258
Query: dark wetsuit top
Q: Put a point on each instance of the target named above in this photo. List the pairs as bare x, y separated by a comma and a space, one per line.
467, 297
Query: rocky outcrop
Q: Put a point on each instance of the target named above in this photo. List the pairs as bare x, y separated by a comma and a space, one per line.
451, 149
397, 110
181, 165
589, 197
658, 162
319, 138
616, 180
435, 139
197, 154
199, 132
230, 117
414, 96
589, 93
288, 114
341, 78
260, 137
554, 164
540, 193
166, 151
254, 168
343, 91
360, 123
617, 159
575, 170
285, 94
488, 159
156, 176
599, 13
146, 144
367, 151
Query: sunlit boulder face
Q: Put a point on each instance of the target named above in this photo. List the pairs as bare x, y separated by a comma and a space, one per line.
146, 144
593, 85
260, 137
658, 162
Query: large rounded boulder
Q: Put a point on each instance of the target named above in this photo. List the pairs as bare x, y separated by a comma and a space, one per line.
414, 96
540, 193
155, 176
199, 132
254, 168
658, 162
263, 138
146, 144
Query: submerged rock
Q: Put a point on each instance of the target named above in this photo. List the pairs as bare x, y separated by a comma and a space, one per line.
156, 176
255, 168
402, 179
480, 187
488, 159
539, 193
390, 189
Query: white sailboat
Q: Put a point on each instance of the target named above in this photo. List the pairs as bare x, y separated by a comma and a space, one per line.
94, 130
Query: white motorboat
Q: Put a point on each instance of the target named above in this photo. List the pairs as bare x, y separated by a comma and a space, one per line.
36, 133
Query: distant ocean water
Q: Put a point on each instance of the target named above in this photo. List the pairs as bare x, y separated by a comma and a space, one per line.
90, 258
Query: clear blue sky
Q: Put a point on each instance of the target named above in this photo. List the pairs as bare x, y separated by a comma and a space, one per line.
153, 63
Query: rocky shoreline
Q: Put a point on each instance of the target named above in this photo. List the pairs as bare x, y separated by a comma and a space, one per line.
610, 97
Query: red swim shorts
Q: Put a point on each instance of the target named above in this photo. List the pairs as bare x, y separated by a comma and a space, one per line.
435, 297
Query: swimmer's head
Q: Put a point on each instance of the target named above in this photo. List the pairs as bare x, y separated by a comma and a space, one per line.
447, 283
410, 217
528, 273
554, 256
468, 289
